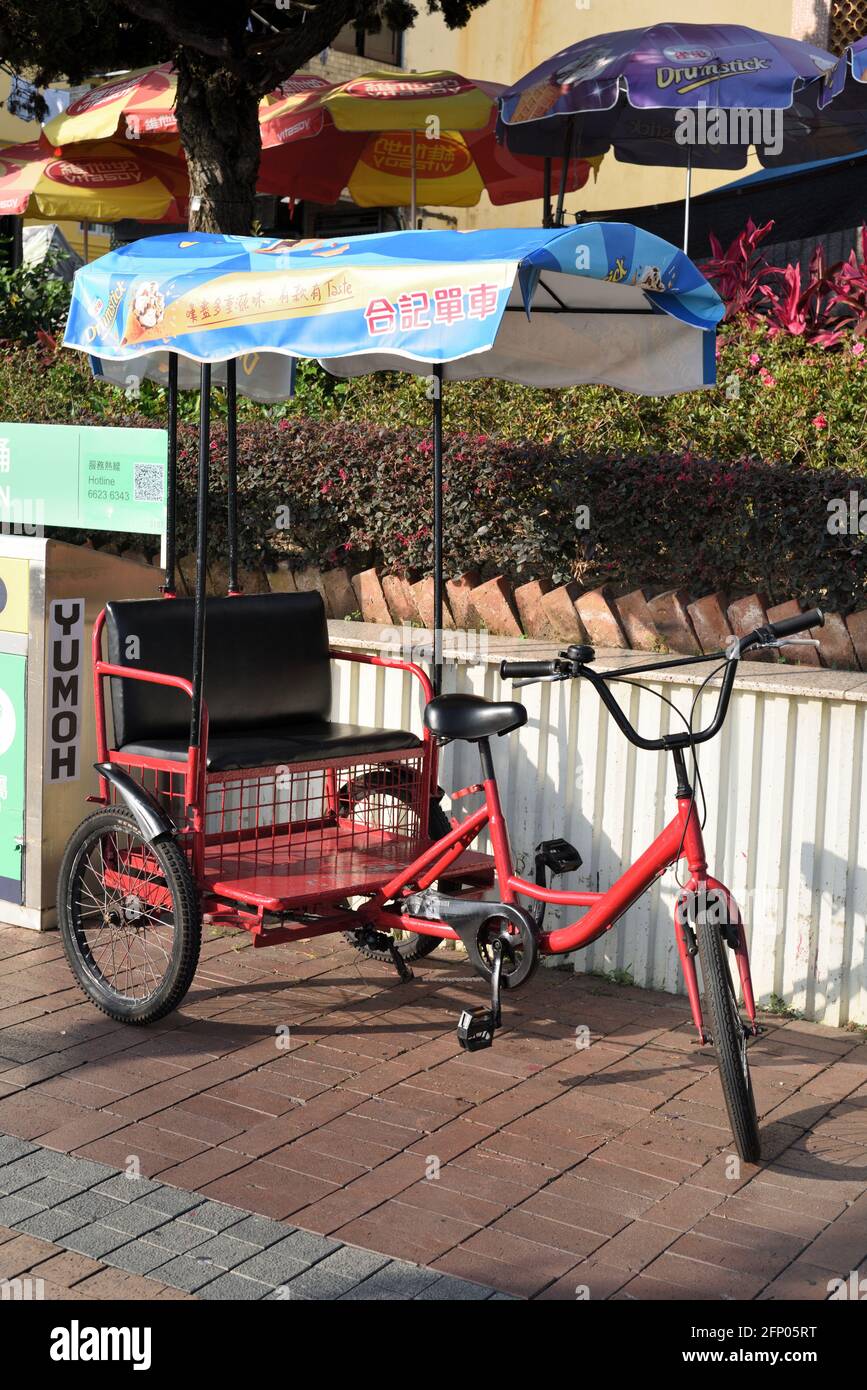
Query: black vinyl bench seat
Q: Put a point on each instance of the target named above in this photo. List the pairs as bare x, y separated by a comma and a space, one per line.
267, 683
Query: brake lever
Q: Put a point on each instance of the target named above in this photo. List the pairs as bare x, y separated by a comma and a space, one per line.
734, 651
537, 680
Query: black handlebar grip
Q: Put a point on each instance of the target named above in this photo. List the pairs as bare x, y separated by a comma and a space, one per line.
787, 627
528, 670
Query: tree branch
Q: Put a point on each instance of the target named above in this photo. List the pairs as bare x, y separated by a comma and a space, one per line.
184, 34
280, 54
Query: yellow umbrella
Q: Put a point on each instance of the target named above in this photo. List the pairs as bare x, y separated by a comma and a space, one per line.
102, 181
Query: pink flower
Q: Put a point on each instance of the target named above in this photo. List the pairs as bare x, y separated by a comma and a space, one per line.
820, 421
767, 378
755, 359
858, 349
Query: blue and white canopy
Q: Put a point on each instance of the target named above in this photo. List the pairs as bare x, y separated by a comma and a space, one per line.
600, 302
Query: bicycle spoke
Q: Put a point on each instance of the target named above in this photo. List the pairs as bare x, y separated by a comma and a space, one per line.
125, 938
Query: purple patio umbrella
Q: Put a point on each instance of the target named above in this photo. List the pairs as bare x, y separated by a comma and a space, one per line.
676, 95
845, 88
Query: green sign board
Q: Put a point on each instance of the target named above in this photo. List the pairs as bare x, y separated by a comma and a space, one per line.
90, 477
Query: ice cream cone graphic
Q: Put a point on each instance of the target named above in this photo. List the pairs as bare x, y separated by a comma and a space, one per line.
536, 101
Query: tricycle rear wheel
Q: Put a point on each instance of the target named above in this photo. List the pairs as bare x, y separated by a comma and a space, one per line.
129, 918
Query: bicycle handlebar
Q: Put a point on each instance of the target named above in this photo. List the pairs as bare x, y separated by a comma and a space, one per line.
532, 670
574, 663
786, 627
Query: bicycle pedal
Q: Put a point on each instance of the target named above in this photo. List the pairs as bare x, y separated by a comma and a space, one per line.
476, 1029
558, 856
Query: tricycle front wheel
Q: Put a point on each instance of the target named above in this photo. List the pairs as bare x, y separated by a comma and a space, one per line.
129, 918
729, 1038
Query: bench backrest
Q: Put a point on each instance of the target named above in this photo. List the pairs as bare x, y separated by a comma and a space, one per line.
266, 663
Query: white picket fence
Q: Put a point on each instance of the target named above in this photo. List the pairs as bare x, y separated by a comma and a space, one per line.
786, 825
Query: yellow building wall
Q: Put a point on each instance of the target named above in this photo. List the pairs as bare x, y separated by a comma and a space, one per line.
507, 38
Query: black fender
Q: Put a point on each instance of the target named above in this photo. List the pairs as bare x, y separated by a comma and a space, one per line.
152, 820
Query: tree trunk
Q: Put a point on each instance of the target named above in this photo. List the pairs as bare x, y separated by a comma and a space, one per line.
218, 120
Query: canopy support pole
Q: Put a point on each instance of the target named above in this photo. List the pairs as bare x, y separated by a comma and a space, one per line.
169, 588
232, 471
438, 529
546, 192
686, 200
201, 555
564, 173
413, 206
85, 241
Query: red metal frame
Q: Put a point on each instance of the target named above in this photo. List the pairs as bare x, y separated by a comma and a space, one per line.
681, 839
284, 881
448, 859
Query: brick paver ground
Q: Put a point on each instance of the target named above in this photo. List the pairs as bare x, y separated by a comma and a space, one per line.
74, 1224
308, 1087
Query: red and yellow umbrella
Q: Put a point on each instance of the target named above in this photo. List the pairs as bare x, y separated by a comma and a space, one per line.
397, 138
392, 101
141, 106
137, 103
100, 181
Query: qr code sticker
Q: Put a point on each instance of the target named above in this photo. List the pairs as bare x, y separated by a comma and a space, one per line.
147, 482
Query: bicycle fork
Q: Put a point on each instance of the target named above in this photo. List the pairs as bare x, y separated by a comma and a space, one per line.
705, 894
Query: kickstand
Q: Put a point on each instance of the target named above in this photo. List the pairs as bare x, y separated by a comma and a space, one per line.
403, 969
476, 1027
373, 940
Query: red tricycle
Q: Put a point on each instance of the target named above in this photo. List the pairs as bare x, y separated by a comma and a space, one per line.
273, 818
226, 789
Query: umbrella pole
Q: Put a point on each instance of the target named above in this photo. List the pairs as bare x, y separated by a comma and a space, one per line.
438, 529
413, 206
564, 173
232, 471
169, 588
201, 555
85, 227
546, 192
686, 200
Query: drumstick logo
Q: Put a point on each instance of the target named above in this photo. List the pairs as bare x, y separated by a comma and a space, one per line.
107, 315
689, 79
